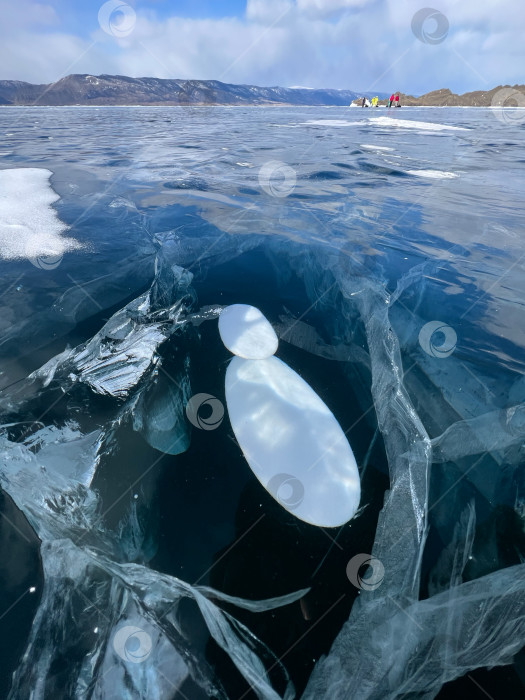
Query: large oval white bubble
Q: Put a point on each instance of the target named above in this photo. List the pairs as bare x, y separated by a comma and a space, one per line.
292, 441
246, 332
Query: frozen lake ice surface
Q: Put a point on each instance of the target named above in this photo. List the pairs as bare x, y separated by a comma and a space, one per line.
181, 523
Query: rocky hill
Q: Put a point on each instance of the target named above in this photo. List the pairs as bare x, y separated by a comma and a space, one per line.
446, 98
121, 90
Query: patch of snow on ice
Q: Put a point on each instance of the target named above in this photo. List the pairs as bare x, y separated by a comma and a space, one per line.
29, 226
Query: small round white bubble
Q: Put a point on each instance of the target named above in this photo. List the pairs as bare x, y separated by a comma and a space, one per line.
247, 333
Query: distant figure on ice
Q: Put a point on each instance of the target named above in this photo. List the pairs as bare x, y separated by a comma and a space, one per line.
375, 100
391, 100
366, 102
397, 100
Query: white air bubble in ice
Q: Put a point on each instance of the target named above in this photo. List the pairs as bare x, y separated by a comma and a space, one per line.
289, 437
247, 333
292, 441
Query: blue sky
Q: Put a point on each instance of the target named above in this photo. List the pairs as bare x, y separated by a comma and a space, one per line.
378, 45
80, 16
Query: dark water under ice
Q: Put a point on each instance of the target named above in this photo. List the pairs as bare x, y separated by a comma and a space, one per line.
351, 231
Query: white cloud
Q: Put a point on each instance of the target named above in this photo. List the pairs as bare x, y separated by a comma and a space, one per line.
42, 58
280, 42
267, 11
24, 13
323, 8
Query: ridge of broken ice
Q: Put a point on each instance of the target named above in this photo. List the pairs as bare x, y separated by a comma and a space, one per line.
119, 355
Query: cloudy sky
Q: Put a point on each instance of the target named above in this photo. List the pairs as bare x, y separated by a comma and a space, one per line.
362, 45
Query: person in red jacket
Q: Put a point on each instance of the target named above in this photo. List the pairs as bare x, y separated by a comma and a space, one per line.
391, 100
397, 100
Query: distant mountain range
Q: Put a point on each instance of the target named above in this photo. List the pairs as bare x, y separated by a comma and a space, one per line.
121, 90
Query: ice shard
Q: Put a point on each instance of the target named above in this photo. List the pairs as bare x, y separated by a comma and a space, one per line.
103, 609
490, 432
160, 413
